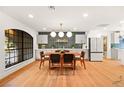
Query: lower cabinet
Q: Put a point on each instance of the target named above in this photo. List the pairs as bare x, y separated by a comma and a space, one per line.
114, 54
96, 57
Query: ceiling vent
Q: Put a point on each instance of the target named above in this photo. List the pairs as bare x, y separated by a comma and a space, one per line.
102, 25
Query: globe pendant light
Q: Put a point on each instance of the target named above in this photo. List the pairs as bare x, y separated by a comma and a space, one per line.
69, 34
61, 34
53, 34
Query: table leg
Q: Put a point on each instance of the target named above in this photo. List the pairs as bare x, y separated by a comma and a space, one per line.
74, 64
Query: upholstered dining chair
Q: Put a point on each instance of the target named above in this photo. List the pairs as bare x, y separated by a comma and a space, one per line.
68, 61
81, 58
54, 60
42, 58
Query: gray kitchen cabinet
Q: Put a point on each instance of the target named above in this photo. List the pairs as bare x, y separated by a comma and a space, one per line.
42, 39
79, 39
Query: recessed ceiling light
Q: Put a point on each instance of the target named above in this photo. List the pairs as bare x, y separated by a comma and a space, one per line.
85, 15
30, 16
104, 28
74, 29
44, 28
102, 25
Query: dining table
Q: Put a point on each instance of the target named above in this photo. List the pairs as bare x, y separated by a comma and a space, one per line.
76, 54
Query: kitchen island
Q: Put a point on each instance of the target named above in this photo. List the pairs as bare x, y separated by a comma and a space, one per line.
118, 54
121, 55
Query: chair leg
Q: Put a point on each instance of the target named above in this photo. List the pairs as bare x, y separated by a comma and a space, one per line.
40, 64
61, 69
73, 64
43, 62
81, 61
49, 64
84, 64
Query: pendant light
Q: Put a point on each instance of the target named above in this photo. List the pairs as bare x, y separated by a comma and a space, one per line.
53, 34
61, 34
69, 34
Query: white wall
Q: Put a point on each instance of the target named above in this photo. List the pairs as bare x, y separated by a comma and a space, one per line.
6, 22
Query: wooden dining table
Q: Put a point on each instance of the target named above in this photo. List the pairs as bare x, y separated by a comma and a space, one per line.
61, 53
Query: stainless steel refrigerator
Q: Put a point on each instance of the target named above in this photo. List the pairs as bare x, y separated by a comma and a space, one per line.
95, 49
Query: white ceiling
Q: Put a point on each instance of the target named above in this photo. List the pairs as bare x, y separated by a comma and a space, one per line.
70, 16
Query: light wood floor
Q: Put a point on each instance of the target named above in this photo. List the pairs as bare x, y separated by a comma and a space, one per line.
98, 74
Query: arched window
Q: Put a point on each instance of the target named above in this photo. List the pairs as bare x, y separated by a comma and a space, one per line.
18, 47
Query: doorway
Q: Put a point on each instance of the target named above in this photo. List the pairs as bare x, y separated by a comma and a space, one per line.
105, 47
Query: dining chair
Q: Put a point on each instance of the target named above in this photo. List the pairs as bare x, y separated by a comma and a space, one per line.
82, 59
42, 58
68, 61
54, 60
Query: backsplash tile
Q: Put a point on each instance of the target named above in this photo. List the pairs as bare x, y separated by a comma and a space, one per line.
57, 42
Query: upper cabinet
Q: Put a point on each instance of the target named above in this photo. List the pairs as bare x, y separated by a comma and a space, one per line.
42, 39
79, 39
115, 37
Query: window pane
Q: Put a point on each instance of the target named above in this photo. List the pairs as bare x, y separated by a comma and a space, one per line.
12, 60
19, 45
20, 59
6, 61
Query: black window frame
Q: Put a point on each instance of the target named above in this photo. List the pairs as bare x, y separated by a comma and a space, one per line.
19, 47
